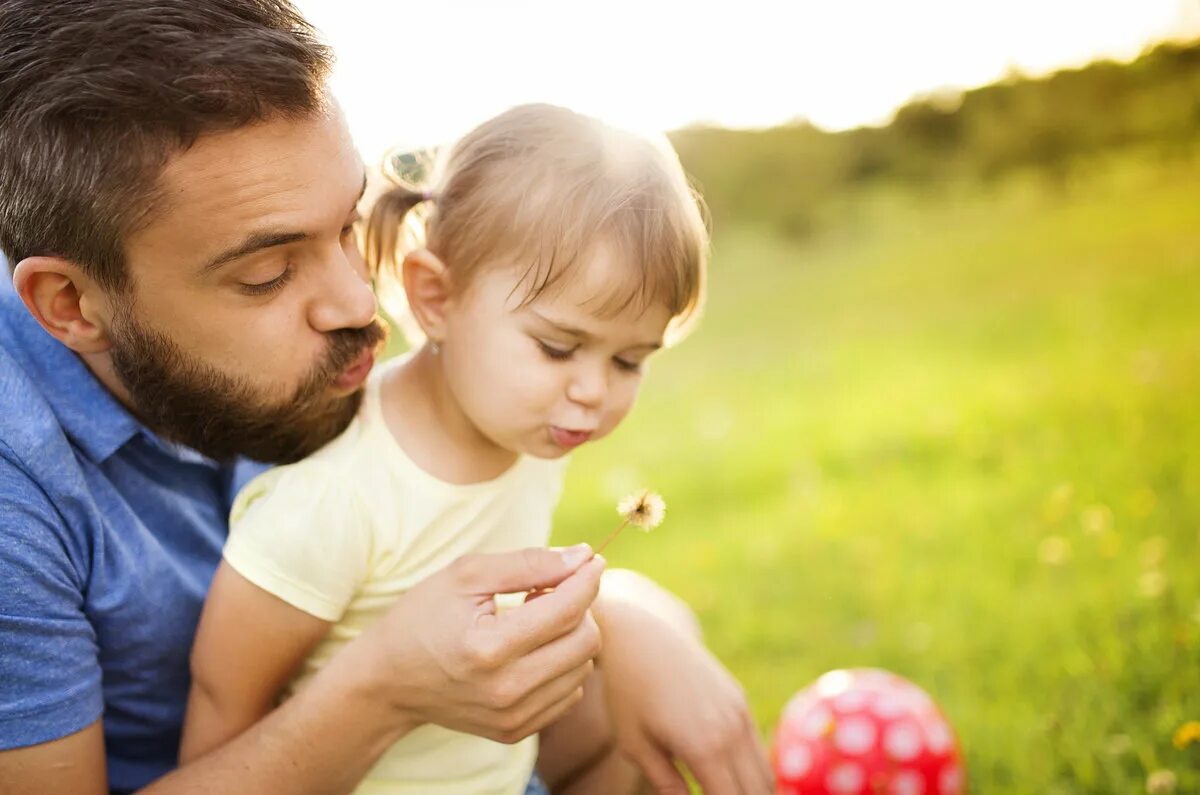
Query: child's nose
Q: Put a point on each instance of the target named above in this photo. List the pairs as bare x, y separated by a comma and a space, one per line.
589, 385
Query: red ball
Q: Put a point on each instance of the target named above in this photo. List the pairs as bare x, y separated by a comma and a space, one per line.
865, 732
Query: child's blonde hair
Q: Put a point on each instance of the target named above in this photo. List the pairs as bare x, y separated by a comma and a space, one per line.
542, 188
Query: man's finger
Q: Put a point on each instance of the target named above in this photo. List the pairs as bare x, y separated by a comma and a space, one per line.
659, 770
523, 570
562, 655
553, 712
534, 624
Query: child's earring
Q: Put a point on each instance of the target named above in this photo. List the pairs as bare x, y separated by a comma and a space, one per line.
435, 348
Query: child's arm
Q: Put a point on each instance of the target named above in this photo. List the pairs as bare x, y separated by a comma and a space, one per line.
248, 645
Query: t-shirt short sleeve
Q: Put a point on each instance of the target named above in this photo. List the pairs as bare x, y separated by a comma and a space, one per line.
50, 684
300, 532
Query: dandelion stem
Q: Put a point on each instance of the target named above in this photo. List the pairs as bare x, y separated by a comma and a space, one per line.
611, 536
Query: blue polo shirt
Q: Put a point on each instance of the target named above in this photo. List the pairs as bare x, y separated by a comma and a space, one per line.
109, 537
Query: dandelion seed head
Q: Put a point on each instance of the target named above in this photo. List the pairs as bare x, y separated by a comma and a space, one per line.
643, 509
1161, 782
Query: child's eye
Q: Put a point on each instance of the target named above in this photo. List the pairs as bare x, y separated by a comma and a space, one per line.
627, 366
557, 354
266, 288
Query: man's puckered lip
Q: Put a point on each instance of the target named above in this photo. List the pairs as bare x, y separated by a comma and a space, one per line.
357, 372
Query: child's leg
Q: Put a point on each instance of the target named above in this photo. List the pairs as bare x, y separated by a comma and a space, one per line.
579, 754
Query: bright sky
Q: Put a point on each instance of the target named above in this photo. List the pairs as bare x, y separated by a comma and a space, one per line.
415, 74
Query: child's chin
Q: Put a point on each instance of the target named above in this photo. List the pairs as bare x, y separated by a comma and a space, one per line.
549, 452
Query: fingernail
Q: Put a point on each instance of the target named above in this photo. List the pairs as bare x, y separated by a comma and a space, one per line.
577, 555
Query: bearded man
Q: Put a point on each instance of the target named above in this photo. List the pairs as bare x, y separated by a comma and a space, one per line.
157, 159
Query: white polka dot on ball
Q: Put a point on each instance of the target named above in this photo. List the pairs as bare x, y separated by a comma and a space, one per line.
817, 723
845, 779
950, 782
796, 762
890, 706
854, 736
902, 742
938, 735
799, 705
851, 701
907, 782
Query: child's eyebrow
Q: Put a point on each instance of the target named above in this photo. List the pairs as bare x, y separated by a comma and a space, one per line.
583, 335
564, 328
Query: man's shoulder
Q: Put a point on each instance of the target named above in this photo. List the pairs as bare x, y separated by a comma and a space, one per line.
30, 434
34, 455
50, 403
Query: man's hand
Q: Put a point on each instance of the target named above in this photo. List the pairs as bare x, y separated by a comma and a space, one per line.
671, 700
444, 654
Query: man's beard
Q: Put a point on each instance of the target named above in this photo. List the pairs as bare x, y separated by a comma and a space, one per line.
193, 403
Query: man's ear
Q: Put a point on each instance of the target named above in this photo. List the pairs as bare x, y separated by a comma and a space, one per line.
427, 285
70, 306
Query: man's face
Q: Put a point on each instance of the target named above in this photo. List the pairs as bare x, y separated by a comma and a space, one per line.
250, 325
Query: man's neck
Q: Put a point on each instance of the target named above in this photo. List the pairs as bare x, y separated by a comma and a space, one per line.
101, 367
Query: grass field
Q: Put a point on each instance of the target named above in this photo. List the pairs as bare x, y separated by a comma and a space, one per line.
956, 438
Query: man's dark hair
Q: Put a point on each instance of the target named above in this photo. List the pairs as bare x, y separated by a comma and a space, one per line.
95, 95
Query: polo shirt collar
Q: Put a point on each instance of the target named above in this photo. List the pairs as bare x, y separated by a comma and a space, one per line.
89, 414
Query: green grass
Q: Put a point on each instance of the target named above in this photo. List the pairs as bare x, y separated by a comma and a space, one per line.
959, 439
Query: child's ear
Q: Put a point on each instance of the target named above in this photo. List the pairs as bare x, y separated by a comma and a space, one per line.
427, 285
64, 301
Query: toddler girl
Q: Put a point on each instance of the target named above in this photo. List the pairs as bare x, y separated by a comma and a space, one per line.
558, 255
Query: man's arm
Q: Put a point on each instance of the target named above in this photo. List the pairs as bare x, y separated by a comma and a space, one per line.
49, 676
73, 764
442, 654
285, 752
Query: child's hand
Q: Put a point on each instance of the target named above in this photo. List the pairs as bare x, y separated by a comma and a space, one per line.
444, 655
672, 700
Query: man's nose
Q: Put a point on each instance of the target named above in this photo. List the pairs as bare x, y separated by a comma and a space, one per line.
345, 298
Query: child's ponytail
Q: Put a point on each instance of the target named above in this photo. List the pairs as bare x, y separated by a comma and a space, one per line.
389, 217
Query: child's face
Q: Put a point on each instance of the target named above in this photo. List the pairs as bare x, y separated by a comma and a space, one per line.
544, 378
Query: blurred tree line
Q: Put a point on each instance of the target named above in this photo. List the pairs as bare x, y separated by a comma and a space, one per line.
795, 176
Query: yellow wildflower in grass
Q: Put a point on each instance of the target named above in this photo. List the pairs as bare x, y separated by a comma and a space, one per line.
1187, 734
1152, 584
643, 509
1096, 519
1054, 551
1154, 551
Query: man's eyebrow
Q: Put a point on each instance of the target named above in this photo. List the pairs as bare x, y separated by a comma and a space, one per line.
257, 241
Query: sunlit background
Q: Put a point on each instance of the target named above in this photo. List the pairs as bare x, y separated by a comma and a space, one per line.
417, 74
940, 416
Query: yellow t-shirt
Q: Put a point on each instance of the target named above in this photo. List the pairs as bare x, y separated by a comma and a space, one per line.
343, 533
